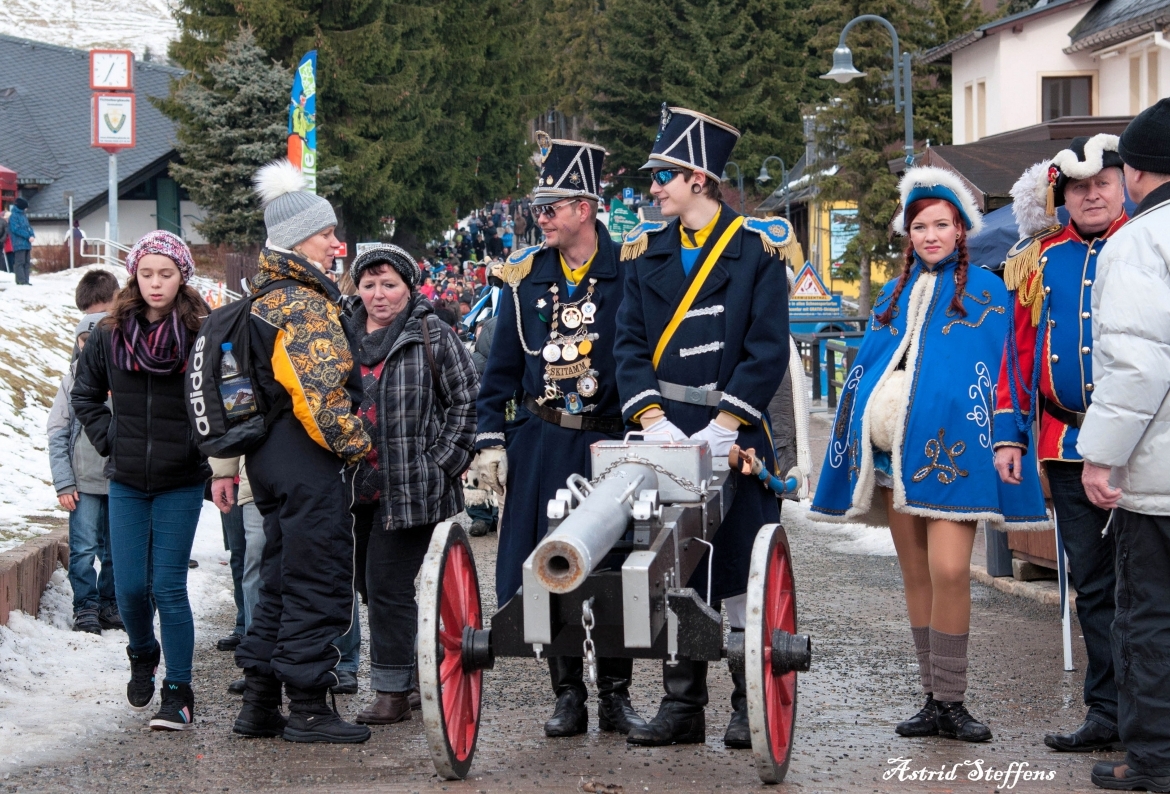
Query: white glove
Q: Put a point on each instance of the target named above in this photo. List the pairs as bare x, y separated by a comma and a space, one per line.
489, 470
718, 438
664, 427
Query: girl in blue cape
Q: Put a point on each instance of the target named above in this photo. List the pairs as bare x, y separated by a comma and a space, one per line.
911, 443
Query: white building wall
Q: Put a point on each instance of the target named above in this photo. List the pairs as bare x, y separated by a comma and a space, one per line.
135, 218
1122, 96
191, 213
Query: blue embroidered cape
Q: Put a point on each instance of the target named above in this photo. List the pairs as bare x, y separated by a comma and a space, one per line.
943, 464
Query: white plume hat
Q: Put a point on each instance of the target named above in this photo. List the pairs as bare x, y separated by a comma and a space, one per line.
291, 213
928, 181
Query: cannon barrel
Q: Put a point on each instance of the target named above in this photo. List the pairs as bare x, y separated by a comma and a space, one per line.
566, 556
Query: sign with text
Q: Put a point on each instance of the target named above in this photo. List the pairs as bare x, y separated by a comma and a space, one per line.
113, 121
843, 228
621, 220
302, 120
810, 298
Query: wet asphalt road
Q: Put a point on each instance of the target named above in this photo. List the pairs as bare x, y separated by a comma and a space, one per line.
863, 680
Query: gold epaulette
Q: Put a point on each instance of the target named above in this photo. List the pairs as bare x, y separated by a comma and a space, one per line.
637, 239
1023, 261
778, 238
518, 265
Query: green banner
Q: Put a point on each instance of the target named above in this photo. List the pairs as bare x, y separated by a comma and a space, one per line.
621, 220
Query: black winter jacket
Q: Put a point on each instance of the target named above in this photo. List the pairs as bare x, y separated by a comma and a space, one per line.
147, 436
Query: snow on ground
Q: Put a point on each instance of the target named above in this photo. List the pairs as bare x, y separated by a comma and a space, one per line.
59, 687
36, 341
855, 538
87, 24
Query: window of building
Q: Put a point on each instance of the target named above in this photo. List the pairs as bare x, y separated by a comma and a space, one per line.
1151, 78
968, 113
1066, 96
981, 109
1135, 85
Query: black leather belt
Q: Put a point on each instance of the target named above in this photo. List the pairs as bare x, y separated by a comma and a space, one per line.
1070, 418
597, 424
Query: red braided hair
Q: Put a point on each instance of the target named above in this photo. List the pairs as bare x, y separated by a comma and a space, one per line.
912, 212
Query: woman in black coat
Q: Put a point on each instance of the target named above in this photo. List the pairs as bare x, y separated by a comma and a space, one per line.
419, 388
129, 396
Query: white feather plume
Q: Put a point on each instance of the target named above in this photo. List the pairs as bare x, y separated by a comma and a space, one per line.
276, 179
929, 176
1030, 200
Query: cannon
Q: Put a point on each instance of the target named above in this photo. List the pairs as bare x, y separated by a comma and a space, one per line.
609, 580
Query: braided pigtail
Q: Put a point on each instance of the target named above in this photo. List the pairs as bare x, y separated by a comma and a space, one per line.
960, 277
886, 317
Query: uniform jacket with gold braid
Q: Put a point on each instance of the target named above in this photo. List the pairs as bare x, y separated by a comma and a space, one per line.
1051, 273
733, 339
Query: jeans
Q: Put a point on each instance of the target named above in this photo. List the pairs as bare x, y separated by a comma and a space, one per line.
1141, 637
233, 541
151, 537
253, 553
89, 538
1090, 559
22, 265
393, 559
350, 644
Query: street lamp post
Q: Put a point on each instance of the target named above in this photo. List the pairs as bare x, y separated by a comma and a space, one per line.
764, 176
843, 71
739, 179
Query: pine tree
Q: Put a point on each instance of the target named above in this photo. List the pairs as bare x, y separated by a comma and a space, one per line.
229, 124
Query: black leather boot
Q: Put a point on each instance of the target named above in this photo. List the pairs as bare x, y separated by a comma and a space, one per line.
614, 710
924, 723
1090, 737
570, 716
260, 716
739, 734
310, 719
680, 717
955, 722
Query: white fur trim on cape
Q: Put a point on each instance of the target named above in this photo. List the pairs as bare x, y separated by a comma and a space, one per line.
1030, 200
928, 176
277, 178
1074, 168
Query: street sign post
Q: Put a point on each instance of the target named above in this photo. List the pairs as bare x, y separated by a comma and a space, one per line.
111, 77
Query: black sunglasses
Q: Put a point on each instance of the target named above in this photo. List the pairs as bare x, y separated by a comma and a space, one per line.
549, 210
664, 176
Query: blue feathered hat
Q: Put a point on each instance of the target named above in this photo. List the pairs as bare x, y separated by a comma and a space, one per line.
930, 181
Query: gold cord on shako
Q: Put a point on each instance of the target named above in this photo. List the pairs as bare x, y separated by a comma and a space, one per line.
572, 348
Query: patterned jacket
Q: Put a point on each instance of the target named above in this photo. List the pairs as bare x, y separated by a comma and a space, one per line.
1063, 276
307, 354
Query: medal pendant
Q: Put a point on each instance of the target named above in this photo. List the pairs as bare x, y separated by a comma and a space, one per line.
588, 312
569, 352
587, 385
552, 353
571, 317
583, 347
573, 403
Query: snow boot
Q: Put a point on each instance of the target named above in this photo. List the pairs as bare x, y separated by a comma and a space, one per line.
177, 712
311, 720
140, 690
260, 715
86, 620
110, 618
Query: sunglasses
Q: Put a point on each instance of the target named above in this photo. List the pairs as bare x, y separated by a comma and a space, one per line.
549, 210
664, 176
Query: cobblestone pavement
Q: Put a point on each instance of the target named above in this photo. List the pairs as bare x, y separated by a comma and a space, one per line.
863, 680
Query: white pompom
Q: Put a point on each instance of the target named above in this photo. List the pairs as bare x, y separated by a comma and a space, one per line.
276, 179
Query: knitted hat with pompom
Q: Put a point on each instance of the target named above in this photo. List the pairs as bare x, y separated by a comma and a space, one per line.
291, 213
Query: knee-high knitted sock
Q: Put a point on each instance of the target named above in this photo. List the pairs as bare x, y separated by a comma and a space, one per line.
948, 665
922, 648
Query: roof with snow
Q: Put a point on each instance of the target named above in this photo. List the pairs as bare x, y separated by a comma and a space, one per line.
45, 117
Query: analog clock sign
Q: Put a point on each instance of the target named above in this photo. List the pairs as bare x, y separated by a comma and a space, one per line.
111, 70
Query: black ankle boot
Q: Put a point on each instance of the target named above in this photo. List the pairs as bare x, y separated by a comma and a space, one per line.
260, 715
955, 722
739, 733
570, 716
680, 717
615, 713
310, 719
924, 723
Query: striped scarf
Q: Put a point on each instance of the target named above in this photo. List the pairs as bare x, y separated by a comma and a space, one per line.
159, 348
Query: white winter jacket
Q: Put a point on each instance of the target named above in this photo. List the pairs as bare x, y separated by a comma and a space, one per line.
1127, 426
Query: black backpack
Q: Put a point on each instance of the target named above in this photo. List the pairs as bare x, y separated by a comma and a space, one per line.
230, 418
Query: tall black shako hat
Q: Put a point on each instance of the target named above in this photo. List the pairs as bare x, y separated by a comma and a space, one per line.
692, 140
568, 169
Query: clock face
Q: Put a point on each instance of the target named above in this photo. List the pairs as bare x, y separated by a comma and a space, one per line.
111, 69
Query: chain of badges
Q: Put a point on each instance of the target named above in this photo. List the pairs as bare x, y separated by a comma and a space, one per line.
567, 350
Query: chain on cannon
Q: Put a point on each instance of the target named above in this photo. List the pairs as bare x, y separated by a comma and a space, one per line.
587, 623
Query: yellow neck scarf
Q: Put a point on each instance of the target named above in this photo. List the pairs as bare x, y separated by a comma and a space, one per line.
575, 276
700, 237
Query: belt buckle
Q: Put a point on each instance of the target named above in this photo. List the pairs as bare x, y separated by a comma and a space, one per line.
694, 395
571, 421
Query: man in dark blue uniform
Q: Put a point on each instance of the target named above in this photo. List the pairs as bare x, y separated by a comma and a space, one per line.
552, 363
702, 347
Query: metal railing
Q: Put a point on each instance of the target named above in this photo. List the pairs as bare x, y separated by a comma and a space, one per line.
101, 251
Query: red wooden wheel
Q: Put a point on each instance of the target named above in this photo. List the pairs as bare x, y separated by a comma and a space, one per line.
448, 603
771, 605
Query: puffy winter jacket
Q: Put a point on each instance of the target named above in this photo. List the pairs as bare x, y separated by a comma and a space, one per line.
75, 464
1127, 427
146, 436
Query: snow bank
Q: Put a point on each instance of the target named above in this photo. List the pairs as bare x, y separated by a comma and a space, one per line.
856, 538
58, 687
36, 341
86, 24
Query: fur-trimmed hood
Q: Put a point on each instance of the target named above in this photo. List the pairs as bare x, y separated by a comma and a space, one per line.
934, 182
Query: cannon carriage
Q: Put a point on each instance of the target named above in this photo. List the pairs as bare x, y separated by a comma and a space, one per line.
608, 580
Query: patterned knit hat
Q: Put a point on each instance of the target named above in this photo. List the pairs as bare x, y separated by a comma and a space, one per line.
291, 213
166, 244
402, 262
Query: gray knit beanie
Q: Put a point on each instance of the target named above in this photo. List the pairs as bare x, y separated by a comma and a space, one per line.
291, 213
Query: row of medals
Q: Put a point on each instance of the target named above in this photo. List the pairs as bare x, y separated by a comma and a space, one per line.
570, 347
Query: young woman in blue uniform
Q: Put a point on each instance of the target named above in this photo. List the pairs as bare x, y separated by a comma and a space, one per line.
911, 443
702, 347
552, 363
